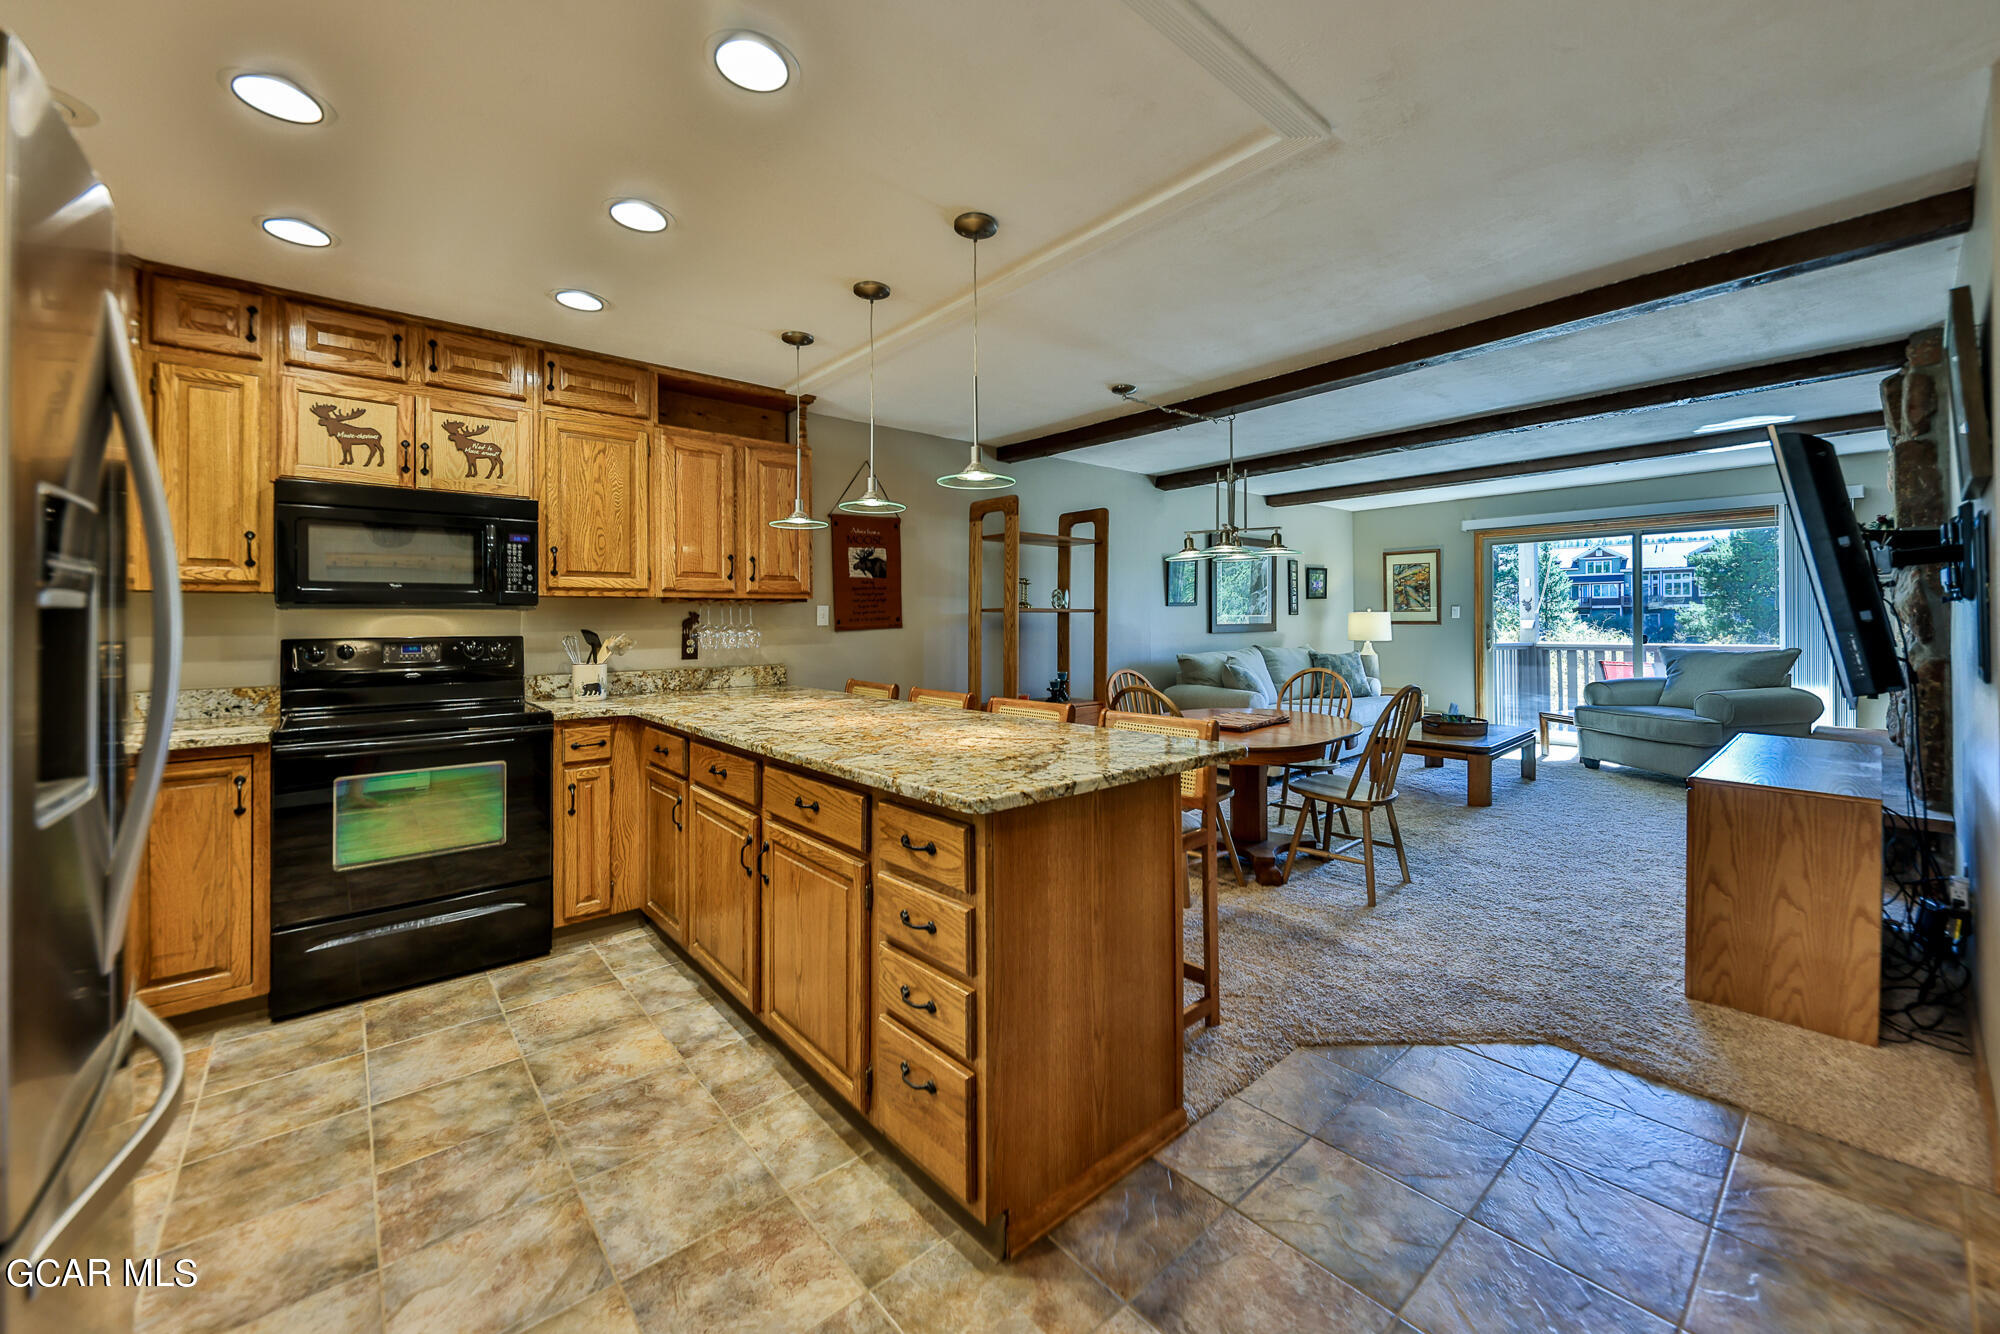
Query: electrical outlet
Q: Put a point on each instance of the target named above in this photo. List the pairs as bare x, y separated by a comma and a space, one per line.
1454, 611
825, 615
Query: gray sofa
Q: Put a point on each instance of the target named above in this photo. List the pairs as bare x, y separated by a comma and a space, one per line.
1264, 669
1671, 724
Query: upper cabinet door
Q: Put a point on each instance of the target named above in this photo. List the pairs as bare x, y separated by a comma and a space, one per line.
208, 424
342, 431
450, 359
205, 317
474, 444
697, 548
780, 562
593, 488
330, 339
573, 381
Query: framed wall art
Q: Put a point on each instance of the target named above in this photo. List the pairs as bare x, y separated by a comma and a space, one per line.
1410, 583
1315, 583
1291, 588
1182, 578
1243, 594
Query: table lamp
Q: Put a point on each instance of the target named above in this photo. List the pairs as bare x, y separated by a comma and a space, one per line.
1367, 627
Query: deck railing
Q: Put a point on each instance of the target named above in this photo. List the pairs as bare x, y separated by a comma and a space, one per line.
1529, 679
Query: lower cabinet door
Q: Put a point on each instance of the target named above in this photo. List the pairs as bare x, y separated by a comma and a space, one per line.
722, 891
816, 955
200, 928
665, 822
583, 842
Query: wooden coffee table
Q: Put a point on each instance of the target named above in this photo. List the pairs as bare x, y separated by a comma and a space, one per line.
1478, 752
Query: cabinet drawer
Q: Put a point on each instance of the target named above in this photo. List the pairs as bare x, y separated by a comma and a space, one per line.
572, 381
834, 813
205, 317
732, 775
925, 999
584, 743
450, 359
666, 750
330, 339
933, 925
929, 847
924, 1102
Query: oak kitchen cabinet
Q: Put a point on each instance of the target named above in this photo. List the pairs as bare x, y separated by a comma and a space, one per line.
722, 899
200, 930
716, 495
594, 384
815, 954
583, 818
664, 817
208, 427
387, 347
594, 504
340, 429
202, 316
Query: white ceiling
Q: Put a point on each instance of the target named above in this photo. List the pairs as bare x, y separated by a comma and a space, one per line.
1170, 214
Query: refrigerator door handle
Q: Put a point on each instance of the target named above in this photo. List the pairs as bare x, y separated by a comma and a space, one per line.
126, 1163
150, 766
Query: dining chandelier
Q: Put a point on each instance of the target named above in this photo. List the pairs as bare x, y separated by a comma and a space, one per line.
1232, 541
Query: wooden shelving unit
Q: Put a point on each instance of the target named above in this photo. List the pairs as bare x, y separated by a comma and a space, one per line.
1011, 540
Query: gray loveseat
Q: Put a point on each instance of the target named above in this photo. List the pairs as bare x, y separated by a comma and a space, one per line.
1671, 724
1255, 675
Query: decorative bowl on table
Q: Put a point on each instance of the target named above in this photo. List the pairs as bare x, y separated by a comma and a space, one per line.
1454, 724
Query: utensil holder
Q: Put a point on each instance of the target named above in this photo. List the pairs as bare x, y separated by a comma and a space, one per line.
590, 680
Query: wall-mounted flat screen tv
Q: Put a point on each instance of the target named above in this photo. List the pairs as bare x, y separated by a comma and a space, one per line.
1839, 564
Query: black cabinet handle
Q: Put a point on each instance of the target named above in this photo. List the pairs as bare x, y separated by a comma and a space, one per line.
405, 456
239, 793
805, 805
434, 356
719, 773
741, 854
572, 798
732, 565
552, 562
588, 745
904, 913
928, 1007
662, 750
928, 849
928, 1086
753, 569
425, 446
250, 333
761, 874
677, 810
549, 380
249, 549
397, 360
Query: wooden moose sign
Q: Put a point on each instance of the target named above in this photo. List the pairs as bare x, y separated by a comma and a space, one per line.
469, 444
347, 437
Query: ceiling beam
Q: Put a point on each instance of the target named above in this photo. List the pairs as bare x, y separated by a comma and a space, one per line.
1616, 403
1591, 458
1929, 219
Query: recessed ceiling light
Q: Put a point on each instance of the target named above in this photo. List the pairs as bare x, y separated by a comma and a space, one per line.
1745, 423
639, 215
578, 299
277, 97
753, 61
297, 231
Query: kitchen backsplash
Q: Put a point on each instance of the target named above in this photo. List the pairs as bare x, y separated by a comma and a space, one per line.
668, 680
236, 702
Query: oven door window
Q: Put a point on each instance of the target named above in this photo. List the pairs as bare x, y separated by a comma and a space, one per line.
337, 552
413, 813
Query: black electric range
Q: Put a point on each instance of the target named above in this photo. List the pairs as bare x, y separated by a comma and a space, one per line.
410, 817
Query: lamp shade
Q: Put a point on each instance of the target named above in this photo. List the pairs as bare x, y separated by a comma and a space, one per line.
1365, 626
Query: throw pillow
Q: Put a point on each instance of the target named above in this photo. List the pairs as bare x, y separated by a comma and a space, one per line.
1348, 667
1243, 669
1692, 672
1284, 663
1201, 669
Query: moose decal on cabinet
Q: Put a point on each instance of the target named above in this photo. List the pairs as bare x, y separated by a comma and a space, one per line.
474, 449
347, 436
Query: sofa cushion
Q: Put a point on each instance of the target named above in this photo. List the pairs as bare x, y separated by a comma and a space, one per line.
1349, 668
1652, 722
1692, 672
1283, 662
1244, 669
1200, 669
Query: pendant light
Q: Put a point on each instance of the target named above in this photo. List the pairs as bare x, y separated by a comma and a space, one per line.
1233, 541
975, 476
798, 521
872, 500
1225, 545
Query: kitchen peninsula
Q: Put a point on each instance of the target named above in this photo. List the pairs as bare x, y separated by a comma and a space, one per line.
967, 928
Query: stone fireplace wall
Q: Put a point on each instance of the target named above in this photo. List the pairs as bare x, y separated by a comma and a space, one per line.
1911, 402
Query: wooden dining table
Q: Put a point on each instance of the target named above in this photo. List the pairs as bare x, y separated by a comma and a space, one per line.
1305, 737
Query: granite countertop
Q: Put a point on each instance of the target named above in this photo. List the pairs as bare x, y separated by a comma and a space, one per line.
958, 759
207, 719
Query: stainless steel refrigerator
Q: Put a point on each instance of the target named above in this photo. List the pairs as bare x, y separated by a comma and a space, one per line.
76, 1121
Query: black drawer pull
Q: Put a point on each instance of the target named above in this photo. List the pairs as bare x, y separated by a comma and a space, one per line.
928, 1007
805, 805
397, 360
731, 575
718, 772
662, 750
404, 454
425, 446
761, 850
572, 798
928, 1086
741, 854
552, 562
250, 334
677, 809
753, 569
904, 913
434, 356
239, 794
928, 849
588, 745
250, 550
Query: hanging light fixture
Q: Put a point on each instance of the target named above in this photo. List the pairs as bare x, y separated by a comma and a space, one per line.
975, 476
1233, 541
872, 500
798, 521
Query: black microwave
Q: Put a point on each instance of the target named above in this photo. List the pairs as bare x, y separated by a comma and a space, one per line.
346, 544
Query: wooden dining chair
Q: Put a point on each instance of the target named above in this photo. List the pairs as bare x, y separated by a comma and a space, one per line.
941, 699
1198, 793
1316, 690
1143, 699
1118, 680
1035, 710
1371, 788
872, 689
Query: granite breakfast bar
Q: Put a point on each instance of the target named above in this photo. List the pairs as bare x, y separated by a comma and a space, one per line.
966, 928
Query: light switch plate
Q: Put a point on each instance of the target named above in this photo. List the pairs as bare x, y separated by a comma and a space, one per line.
825, 615
1454, 611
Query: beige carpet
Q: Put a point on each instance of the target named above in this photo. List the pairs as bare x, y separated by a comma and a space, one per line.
1554, 915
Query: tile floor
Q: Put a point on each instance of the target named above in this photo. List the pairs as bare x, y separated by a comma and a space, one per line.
594, 1142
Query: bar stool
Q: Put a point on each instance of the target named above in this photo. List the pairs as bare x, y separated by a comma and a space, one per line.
1035, 710
941, 699
872, 689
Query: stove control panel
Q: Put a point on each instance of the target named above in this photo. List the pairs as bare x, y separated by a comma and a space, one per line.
499, 655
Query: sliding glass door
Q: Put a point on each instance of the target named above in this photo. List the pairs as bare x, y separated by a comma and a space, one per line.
1564, 605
